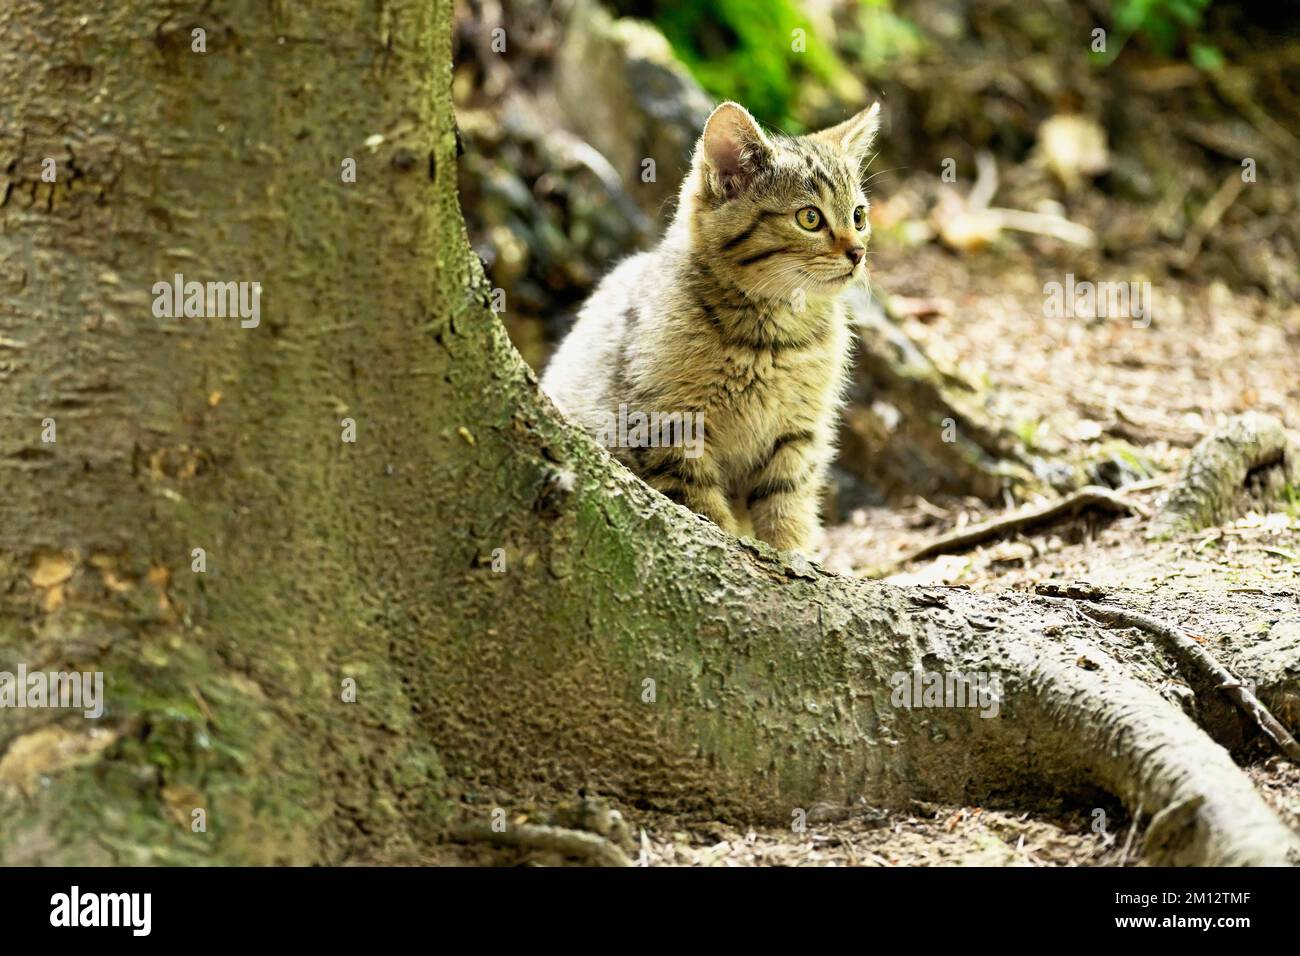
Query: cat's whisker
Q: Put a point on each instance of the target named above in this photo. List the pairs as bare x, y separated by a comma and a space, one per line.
759, 291
882, 172
789, 287
772, 279
791, 278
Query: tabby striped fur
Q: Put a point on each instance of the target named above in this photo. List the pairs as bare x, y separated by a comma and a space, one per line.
735, 314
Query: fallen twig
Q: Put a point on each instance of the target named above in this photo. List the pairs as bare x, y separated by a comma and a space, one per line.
1195, 657
1147, 484
1126, 426
580, 844
969, 222
1045, 224
986, 181
1219, 203
1093, 496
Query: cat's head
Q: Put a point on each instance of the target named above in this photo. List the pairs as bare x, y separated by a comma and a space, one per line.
773, 214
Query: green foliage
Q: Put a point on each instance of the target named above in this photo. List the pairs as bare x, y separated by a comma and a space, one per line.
1027, 431
1163, 23
1160, 21
754, 51
1291, 500
767, 55
1204, 56
882, 37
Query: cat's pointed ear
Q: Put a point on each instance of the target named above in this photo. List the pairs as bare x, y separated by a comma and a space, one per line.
854, 136
733, 148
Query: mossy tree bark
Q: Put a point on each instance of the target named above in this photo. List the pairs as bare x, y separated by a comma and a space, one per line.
1248, 449
173, 434
380, 561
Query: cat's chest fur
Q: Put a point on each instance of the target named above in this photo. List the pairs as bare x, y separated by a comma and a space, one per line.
756, 374
768, 360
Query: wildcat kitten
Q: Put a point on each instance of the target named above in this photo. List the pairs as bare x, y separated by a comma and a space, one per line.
736, 314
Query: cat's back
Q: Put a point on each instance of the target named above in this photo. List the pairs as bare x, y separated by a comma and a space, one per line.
582, 375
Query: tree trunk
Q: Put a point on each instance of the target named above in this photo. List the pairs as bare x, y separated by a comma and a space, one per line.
223, 688
499, 589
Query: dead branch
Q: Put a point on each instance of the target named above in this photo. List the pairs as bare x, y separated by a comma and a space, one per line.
986, 181
1045, 224
590, 847
1092, 496
1214, 210
966, 223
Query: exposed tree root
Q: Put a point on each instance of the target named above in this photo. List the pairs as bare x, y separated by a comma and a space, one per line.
1212, 483
1124, 424
1270, 660
1073, 720
1128, 740
1093, 496
774, 681
1204, 670
579, 844
1097, 724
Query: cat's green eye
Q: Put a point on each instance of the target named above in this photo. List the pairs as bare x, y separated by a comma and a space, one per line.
809, 217
859, 217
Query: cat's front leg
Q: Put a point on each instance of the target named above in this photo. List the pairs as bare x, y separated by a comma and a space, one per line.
692, 482
785, 493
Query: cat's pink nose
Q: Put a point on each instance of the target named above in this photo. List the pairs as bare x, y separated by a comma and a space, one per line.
855, 254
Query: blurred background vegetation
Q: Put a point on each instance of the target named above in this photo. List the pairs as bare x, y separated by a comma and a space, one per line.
742, 49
